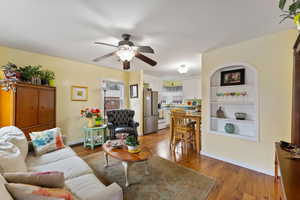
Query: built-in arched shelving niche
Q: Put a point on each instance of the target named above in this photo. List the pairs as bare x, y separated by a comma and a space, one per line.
232, 99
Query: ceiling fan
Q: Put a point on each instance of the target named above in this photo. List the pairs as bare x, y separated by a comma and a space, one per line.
126, 51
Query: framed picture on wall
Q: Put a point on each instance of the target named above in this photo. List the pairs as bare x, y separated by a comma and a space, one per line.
79, 93
233, 77
134, 91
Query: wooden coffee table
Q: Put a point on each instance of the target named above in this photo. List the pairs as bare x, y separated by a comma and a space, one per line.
127, 158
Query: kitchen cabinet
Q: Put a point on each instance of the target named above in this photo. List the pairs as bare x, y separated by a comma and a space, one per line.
172, 83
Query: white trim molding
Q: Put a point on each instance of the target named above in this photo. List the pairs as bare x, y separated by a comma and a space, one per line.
244, 165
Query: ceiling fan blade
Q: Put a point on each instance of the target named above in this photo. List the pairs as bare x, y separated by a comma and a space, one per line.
145, 49
146, 59
126, 65
105, 56
106, 44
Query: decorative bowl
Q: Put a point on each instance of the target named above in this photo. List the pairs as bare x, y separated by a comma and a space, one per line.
240, 115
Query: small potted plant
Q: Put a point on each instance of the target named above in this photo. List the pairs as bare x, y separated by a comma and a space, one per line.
98, 121
132, 143
46, 76
50, 75
36, 73
26, 74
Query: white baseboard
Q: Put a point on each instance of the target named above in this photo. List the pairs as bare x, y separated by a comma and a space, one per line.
268, 172
72, 143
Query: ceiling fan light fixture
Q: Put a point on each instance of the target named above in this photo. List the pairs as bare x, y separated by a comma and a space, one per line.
126, 53
183, 69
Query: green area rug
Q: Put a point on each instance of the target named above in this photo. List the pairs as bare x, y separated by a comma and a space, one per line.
167, 180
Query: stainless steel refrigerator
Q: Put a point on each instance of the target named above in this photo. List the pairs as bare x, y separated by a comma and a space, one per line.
150, 111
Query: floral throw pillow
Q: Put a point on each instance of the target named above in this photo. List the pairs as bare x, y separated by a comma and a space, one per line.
47, 141
31, 192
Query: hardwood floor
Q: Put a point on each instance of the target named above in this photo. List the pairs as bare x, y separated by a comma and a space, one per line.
233, 182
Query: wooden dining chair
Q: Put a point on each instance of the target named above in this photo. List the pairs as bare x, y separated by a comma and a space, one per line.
183, 131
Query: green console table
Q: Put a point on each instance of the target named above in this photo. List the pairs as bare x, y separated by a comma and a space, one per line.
95, 136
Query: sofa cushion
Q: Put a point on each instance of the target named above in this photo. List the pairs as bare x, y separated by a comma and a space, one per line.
50, 157
85, 187
71, 167
47, 141
14, 135
11, 159
31, 192
50, 179
4, 194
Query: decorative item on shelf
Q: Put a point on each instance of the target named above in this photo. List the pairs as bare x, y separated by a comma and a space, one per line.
229, 128
240, 115
198, 108
132, 144
194, 103
220, 94
220, 113
11, 71
90, 114
244, 93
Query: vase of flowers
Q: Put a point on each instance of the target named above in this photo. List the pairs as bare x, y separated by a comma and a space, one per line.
90, 114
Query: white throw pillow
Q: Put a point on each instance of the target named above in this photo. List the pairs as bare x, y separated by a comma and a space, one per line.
14, 135
47, 141
11, 159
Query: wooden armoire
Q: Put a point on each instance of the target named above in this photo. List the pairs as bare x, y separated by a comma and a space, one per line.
28, 107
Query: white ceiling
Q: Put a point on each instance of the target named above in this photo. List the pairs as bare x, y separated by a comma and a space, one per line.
178, 30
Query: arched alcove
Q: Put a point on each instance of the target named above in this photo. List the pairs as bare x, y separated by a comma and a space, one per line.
234, 97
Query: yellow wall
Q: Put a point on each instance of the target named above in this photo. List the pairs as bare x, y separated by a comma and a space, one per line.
136, 104
272, 57
68, 73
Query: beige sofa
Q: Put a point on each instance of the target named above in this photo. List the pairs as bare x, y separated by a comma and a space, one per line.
79, 177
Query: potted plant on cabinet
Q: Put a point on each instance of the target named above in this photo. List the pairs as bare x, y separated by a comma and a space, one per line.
46, 77
132, 144
30, 74
11, 71
36, 75
292, 12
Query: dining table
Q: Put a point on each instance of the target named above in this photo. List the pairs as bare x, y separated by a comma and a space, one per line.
194, 116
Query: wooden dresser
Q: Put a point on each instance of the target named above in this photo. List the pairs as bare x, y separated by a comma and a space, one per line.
30, 107
287, 174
